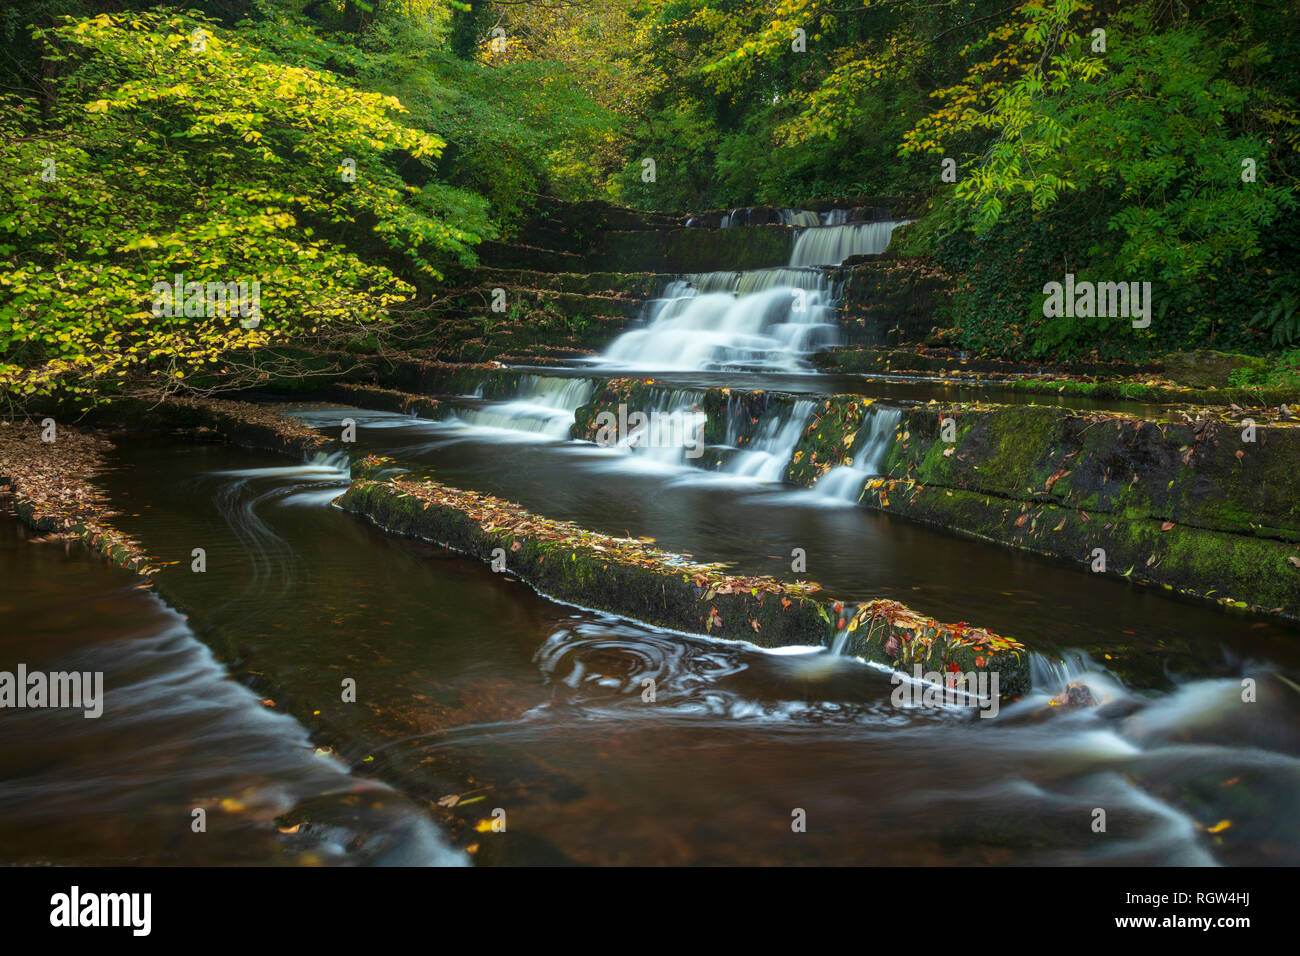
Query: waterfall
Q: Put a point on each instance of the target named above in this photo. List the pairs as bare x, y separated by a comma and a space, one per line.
841, 639
831, 245
845, 483
543, 407
763, 319
763, 215
768, 455
673, 434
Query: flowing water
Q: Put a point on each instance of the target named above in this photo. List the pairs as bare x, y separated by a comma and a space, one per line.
469, 684
328, 693
765, 319
543, 408
176, 734
844, 483
725, 512
831, 245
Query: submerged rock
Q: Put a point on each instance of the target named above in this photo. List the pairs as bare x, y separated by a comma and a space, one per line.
1074, 695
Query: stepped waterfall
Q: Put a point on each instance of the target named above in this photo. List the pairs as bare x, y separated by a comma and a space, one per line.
762, 319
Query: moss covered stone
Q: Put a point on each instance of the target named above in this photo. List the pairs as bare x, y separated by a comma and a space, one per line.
827, 440
632, 578
1205, 368
693, 250
888, 632
1190, 506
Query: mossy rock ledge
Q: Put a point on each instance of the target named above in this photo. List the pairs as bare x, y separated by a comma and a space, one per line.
633, 579
1187, 505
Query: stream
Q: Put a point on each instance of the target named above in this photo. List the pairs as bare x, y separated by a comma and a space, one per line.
477, 698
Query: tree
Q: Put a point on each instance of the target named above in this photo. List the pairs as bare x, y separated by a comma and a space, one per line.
178, 148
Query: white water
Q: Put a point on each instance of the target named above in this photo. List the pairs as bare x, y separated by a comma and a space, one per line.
831, 245
765, 319
673, 432
543, 408
768, 455
845, 483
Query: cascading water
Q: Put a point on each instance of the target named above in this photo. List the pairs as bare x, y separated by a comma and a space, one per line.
765, 319
544, 407
770, 452
672, 432
845, 483
831, 245
667, 433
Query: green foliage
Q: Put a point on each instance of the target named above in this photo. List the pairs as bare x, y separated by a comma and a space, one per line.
1284, 372
177, 147
1149, 123
513, 128
1281, 319
1117, 162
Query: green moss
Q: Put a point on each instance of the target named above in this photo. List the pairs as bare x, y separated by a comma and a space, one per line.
633, 579
828, 439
